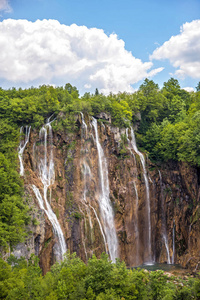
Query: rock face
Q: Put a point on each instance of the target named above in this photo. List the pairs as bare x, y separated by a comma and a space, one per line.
76, 192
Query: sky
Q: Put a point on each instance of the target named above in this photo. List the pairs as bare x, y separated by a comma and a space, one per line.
112, 45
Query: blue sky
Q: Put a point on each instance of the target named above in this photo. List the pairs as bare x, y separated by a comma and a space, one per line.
117, 60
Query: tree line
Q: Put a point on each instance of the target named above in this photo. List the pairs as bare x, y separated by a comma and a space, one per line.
99, 279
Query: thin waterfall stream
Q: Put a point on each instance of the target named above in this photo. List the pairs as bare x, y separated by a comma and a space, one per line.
173, 241
22, 146
106, 210
87, 178
137, 237
87, 173
47, 177
164, 229
148, 242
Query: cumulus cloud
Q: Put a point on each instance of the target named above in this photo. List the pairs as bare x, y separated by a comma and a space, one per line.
46, 51
188, 89
4, 5
183, 50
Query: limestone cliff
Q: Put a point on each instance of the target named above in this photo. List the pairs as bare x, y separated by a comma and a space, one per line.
75, 193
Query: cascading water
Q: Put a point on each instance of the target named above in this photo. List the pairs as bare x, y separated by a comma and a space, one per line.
136, 224
106, 210
164, 229
84, 125
130, 145
22, 146
148, 242
173, 242
87, 173
100, 226
47, 177
87, 177
136, 205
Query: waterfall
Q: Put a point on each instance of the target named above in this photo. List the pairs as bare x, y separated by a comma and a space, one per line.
137, 203
134, 146
100, 226
167, 248
22, 146
164, 229
87, 177
173, 241
86, 173
47, 177
106, 210
137, 237
88, 205
84, 125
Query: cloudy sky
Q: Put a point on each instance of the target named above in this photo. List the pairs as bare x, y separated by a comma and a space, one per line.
109, 44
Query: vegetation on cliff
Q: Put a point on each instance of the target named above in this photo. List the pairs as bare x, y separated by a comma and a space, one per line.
13, 212
168, 117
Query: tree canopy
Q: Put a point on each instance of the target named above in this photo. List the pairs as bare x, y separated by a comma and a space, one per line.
98, 280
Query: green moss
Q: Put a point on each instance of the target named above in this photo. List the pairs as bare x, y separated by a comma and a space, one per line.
46, 243
102, 121
77, 215
196, 216
69, 200
35, 222
152, 168
57, 213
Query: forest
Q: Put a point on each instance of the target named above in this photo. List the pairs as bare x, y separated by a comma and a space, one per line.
167, 127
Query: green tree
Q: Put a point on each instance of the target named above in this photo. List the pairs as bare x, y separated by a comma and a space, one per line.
96, 92
198, 87
171, 88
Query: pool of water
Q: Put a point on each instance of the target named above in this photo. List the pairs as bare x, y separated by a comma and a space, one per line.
158, 266
176, 270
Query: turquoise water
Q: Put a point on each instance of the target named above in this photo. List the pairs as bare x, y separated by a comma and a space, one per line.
157, 266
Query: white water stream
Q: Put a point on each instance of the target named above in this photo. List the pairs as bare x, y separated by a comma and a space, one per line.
164, 229
47, 177
84, 125
87, 178
22, 146
87, 173
137, 238
173, 242
106, 210
148, 242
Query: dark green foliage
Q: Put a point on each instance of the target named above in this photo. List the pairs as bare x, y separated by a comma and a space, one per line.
169, 128
13, 212
98, 280
198, 87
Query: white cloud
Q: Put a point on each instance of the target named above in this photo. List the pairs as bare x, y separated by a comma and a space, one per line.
4, 5
183, 50
188, 89
46, 51
87, 86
